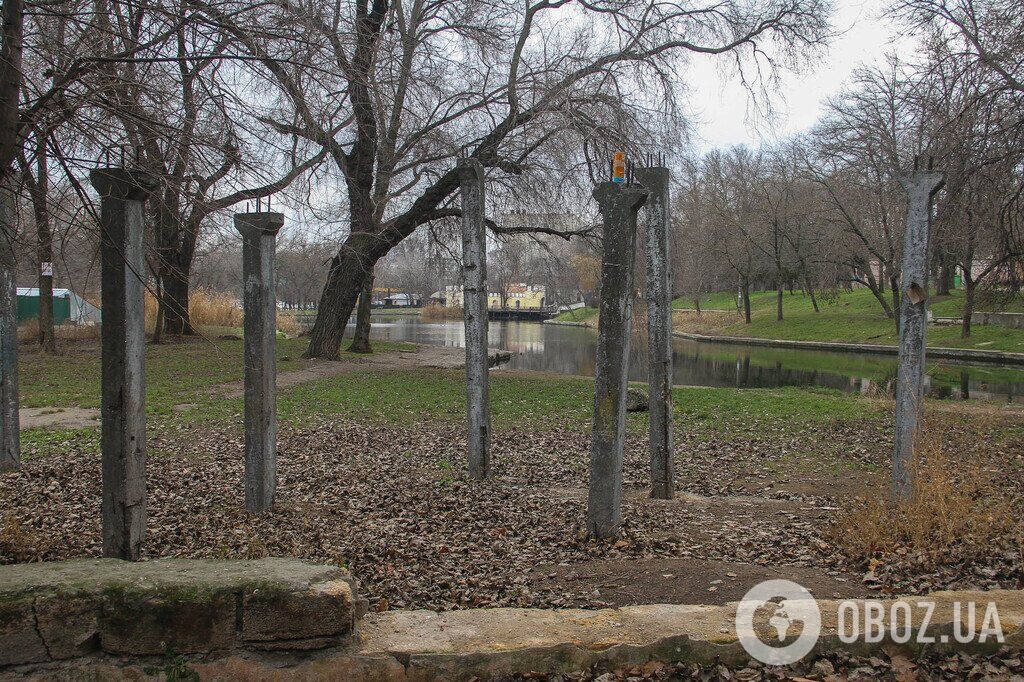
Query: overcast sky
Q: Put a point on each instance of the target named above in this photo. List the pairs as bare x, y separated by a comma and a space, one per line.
720, 105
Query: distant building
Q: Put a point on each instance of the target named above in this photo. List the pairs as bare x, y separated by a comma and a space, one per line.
518, 297
67, 307
388, 298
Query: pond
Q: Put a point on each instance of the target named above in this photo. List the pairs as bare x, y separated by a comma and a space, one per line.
571, 350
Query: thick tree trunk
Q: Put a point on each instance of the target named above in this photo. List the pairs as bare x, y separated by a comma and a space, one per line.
344, 282
696, 303
970, 287
175, 299
778, 303
361, 338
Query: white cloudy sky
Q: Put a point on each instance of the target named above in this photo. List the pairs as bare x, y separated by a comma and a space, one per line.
720, 107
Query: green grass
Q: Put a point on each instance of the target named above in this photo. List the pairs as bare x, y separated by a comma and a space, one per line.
409, 397
851, 317
176, 373
579, 315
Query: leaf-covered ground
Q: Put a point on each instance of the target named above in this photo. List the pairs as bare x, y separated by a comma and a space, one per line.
372, 477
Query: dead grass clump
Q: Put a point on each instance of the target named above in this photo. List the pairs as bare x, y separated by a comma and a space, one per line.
211, 309
205, 309
288, 323
958, 513
19, 545
704, 322
440, 312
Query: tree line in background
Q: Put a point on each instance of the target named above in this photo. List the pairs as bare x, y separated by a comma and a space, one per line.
825, 209
353, 115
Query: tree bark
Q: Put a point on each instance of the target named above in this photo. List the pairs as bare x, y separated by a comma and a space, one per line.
361, 338
778, 302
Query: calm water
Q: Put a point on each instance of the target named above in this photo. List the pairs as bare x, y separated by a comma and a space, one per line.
571, 350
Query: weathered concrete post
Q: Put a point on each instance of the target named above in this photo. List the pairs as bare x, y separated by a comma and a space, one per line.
259, 237
10, 440
920, 187
474, 311
656, 219
619, 204
123, 409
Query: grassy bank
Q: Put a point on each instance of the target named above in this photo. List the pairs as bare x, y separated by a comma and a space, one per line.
586, 315
850, 317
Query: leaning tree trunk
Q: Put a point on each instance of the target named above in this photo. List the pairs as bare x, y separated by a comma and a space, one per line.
344, 282
810, 291
361, 338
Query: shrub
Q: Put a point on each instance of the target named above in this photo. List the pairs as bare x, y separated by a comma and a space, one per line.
440, 312
958, 513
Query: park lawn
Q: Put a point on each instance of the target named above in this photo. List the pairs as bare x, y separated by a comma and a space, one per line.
176, 373
536, 401
585, 314
847, 317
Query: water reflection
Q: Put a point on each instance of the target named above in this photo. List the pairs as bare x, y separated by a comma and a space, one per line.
571, 350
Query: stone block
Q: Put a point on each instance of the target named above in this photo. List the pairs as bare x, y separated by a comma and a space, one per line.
273, 617
69, 624
156, 622
19, 639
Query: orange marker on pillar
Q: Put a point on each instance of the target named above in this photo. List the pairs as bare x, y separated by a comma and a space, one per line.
619, 167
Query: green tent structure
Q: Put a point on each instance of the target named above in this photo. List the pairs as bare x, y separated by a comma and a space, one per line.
68, 307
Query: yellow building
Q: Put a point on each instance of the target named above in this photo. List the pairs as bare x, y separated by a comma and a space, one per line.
518, 297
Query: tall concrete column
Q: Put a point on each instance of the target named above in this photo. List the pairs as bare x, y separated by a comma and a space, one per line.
920, 187
619, 205
474, 311
123, 409
10, 441
259, 241
656, 218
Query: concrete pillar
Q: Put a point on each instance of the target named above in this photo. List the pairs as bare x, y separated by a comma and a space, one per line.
619, 204
259, 237
10, 441
656, 217
474, 310
123, 409
920, 187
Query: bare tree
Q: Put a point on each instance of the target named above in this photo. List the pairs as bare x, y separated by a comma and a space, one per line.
379, 92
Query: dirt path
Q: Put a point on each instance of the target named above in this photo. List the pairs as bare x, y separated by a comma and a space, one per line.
441, 357
58, 417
